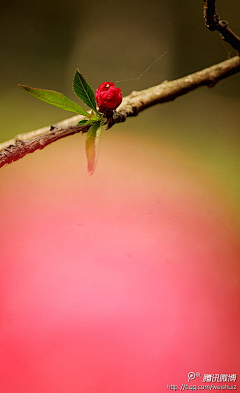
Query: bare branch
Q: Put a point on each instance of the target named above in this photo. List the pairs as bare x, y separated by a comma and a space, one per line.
29, 142
213, 22
137, 101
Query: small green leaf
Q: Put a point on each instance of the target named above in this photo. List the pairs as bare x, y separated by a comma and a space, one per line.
94, 119
92, 122
82, 122
84, 91
92, 143
56, 99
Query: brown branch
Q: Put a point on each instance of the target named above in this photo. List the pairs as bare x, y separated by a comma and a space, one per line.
131, 105
29, 142
213, 22
137, 101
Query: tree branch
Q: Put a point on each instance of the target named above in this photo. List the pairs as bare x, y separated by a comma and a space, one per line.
29, 142
131, 105
137, 101
213, 22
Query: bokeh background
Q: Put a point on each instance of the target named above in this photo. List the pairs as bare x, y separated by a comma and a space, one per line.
127, 280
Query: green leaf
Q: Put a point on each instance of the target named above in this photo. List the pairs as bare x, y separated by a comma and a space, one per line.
56, 99
82, 122
84, 91
94, 119
92, 143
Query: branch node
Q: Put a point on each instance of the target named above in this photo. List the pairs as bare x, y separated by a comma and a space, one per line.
213, 22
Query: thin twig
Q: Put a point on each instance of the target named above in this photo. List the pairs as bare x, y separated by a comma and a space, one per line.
131, 105
213, 22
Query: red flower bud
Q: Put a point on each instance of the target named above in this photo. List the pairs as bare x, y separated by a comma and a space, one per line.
108, 97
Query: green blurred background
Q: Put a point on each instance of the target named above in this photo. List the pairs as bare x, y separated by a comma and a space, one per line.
43, 42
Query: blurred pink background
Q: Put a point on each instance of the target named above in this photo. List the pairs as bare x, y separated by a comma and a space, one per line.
120, 282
